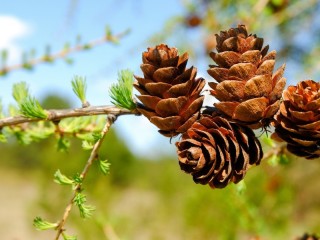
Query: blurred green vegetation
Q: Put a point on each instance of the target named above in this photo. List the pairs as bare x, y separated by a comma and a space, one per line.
153, 199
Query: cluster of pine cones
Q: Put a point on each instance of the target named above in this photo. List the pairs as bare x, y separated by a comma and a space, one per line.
218, 144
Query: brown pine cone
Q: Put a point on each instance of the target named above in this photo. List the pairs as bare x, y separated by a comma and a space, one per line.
298, 120
247, 88
215, 151
170, 93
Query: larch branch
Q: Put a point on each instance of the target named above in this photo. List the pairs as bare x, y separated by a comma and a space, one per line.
63, 53
93, 156
57, 115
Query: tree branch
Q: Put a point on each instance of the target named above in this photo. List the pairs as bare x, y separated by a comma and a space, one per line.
93, 156
56, 115
63, 53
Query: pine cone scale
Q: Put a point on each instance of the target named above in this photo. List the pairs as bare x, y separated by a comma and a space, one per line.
193, 107
149, 102
258, 86
251, 56
251, 110
242, 71
170, 106
187, 124
148, 70
276, 93
165, 74
157, 89
166, 123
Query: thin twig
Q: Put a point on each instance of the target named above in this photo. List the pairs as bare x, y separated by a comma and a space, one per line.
56, 115
63, 53
93, 156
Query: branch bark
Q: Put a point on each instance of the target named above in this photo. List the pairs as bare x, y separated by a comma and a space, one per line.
57, 115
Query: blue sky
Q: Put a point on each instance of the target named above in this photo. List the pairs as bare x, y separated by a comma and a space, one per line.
34, 24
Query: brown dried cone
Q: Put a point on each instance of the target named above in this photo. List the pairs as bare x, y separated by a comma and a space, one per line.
247, 88
298, 120
170, 93
215, 151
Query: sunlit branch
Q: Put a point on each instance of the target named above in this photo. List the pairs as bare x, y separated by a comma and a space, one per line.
56, 115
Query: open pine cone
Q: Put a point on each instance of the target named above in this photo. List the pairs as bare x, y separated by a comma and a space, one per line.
247, 88
215, 151
298, 120
170, 93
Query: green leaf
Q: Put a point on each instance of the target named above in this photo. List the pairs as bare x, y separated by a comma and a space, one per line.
77, 179
90, 137
87, 46
121, 92
20, 91
41, 224
241, 187
63, 144
2, 137
40, 131
84, 209
87, 145
96, 136
69, 61
90, 140
268, 141
283, 159
273, 160
30, 107
62, 179
104, 166
108, 32
68, 237
79, 87
13, 110
47, 56
22, 137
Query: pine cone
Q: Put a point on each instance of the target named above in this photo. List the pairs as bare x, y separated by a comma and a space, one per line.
298, 120
247, 88
215, 151
170, 93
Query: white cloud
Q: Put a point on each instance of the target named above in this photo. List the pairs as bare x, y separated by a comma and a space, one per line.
12, 29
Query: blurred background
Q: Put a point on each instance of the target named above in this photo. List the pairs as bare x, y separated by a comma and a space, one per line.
146, 196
